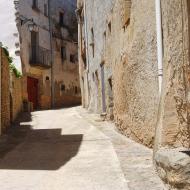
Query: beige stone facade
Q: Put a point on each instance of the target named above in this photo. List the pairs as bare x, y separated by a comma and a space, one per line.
122, 73
5, 91
16, 97
120, 79
11, 93
48, 53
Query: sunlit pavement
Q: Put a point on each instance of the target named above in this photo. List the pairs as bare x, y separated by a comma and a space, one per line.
59, 150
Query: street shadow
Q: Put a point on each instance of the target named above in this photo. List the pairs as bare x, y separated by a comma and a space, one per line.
24, 148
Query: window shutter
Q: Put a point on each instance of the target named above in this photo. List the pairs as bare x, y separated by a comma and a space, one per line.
125, 12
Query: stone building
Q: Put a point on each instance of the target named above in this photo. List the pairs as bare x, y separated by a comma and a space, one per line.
48, 50
121, 77
119, 64
4, 91
11, 101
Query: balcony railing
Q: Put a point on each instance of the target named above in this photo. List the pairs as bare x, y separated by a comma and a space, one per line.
40, 56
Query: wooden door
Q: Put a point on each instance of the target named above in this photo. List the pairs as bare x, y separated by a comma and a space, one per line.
32, 89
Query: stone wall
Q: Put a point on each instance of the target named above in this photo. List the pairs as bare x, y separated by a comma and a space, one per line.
63, 74
173, 131
135, 80
5, 91
16, 98
122, 66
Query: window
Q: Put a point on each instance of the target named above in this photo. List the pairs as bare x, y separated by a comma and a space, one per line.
109, 27
63, 53
110, 83
61, 19
34, 46
63, 87
47, 78
92, 41
104, 38
76, 90
45, 10
125, 13
72, 58
35, 4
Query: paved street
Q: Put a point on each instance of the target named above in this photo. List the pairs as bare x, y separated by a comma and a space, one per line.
70, 149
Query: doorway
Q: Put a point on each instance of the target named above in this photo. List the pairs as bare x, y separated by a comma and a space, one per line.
32, 90
103, 89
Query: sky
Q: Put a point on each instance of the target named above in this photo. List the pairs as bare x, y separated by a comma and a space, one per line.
8, 28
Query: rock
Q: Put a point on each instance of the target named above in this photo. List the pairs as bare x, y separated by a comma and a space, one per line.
173, 166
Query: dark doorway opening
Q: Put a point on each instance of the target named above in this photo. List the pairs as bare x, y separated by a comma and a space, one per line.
32, 90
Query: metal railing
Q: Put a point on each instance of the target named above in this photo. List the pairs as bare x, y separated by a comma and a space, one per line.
40, 56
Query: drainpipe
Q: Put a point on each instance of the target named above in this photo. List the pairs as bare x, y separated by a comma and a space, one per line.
159, 44
51, 56
158, 131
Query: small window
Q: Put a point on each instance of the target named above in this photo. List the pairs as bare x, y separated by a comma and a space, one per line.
72, 58
125, 13
109, 27
63, 53
92, 41
76, 90
47, 78
45, 10
35, 4
61, 19
63, 87
110, 83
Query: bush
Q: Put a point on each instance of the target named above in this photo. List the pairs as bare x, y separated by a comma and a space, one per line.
10, 60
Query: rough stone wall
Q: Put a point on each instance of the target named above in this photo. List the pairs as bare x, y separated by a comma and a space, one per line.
174, 130
5, 92
127, 49
93, 30
16, 99
135, 80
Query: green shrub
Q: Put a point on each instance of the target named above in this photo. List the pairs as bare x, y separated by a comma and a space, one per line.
10, 60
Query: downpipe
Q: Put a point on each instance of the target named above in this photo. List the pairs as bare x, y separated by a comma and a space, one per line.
159, 122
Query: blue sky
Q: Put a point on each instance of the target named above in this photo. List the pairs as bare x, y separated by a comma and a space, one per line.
8, 28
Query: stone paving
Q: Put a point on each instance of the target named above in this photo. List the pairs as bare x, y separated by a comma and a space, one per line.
135, 159
70, 149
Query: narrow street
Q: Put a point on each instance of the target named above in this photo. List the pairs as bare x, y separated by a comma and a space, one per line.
70, 149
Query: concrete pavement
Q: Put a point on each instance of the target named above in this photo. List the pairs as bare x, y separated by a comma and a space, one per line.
58, 150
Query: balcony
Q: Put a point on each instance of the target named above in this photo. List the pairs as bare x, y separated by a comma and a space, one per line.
40, 57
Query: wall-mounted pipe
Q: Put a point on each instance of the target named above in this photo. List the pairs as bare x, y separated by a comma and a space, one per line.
159, 43
160, 75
